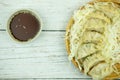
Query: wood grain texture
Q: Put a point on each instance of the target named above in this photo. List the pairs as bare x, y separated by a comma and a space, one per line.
54, 13
45, 58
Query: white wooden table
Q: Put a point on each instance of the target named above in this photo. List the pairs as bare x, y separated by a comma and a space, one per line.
45, 58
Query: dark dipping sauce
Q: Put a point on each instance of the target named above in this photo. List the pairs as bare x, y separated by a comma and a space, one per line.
24, 26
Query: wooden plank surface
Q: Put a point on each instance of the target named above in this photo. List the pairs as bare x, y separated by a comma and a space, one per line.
45, 58
54, 13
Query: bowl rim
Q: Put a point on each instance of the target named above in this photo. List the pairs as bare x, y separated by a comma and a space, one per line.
32, 12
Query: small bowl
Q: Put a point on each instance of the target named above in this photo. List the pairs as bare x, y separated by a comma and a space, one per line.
32, 13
